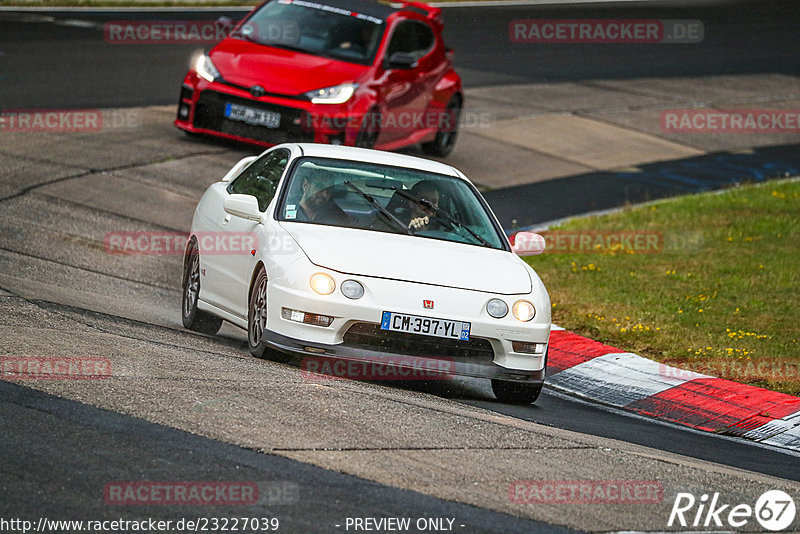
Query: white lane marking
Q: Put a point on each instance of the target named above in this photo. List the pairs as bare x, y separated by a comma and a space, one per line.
78, 23
621, 378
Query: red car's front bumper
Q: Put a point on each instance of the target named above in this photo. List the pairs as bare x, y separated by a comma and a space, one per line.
201, 109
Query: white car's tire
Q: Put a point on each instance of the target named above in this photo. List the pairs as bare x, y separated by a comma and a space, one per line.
193, 318
257, 315
516, 392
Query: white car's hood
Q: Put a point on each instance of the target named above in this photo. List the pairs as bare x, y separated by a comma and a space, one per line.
411, 259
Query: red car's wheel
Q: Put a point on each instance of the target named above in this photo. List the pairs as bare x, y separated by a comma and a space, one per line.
370, 129
445, 139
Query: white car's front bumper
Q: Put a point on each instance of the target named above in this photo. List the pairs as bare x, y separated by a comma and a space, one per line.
489, 354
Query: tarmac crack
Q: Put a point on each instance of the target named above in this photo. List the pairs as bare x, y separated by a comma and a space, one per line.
87, 269
110, 213
395, 449
90, 171
53, 307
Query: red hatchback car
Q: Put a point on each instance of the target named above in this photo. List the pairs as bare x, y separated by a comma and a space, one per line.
349, 72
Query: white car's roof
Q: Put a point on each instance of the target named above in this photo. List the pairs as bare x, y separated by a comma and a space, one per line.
376, 156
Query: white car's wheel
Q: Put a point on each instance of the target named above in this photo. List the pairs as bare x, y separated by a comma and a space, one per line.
257, 315
516, 392
192, 318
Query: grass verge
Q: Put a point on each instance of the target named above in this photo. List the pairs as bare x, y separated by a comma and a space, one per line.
708, 283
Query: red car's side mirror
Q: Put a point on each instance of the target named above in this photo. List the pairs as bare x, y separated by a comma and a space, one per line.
527, 243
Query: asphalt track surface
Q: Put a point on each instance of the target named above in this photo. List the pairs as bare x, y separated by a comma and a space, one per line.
52, 60
740, 37
63, 65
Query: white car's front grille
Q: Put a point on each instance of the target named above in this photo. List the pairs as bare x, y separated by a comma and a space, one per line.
417, 345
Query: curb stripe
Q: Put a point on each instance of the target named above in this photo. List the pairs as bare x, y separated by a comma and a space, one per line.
605, 374
568, 349
618, 379
715, 404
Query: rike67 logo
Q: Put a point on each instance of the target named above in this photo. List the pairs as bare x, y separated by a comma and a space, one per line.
774, 511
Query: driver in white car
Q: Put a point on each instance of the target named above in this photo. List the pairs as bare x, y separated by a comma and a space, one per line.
317, 204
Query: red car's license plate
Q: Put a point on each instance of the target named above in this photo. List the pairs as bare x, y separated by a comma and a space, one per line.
257, 117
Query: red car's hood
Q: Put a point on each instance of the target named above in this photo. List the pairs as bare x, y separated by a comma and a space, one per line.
277, 70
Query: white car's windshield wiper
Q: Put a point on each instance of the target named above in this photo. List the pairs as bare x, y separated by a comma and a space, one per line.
454, 223
386, 213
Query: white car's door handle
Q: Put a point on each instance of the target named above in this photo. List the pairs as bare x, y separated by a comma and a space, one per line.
227, 219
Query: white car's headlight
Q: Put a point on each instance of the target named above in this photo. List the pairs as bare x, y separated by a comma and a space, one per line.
338, 94
497, 308
205, 68
352, 289
523, 310
322, 284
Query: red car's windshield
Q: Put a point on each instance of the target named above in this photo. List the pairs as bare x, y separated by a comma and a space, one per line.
315, 28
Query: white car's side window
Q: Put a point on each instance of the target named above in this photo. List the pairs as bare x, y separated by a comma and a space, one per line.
261, 178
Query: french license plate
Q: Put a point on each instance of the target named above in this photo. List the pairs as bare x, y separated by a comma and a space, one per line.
257, 117
414, 324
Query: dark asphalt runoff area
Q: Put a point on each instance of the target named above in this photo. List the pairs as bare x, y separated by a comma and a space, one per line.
57, 454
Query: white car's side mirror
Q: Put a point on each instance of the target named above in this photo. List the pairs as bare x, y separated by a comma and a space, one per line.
244, 206
244, 162
527, 243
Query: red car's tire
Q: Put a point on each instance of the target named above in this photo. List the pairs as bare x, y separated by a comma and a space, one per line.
370, 129
445, 140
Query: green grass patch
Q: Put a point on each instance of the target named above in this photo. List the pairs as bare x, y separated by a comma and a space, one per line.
720, 293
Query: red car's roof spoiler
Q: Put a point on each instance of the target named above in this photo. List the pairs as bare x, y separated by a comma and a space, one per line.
434, 14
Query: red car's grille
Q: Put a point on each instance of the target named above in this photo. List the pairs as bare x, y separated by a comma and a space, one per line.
209, 114
418, 345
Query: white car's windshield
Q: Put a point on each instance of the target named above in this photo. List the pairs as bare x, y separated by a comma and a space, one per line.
387, 199
315, 28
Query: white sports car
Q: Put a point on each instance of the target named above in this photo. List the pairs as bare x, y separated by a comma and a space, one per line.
342, 253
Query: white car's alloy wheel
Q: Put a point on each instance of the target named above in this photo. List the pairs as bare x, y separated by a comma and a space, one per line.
195, 319
257, 315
